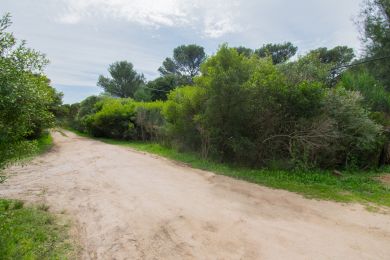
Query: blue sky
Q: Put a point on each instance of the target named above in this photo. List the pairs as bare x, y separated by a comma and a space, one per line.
82, 37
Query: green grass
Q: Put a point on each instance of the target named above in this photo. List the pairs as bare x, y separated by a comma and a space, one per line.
45, 142
42, 145
359, 186
32, 233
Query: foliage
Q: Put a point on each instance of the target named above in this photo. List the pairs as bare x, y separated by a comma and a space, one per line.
84, 110
182, 115
339, 55
150, 121
114, 118
27, 101
358, 140
143, 94
247, 52
124, 80
31, 233
352, 186
376, 97
279, 53
185, 63
247, 110
121, 118
223, 77
161, 86
308, 68
375, 25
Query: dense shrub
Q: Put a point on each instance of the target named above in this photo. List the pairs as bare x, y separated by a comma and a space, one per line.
183, 115
358, 138
150, 121
85, 110
26, 98
114, 118
376, 97
246, 110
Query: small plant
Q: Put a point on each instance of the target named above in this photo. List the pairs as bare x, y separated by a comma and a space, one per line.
4, 204
18, 204
43, 207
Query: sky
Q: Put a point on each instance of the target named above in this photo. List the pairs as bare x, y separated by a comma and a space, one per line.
82, 38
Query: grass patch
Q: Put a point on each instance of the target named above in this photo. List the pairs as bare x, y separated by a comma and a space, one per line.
31, 233
359, 186
45, 142
41, 145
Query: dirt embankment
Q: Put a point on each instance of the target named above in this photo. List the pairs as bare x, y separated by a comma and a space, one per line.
130, 205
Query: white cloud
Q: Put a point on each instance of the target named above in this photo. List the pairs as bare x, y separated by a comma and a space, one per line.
215, 19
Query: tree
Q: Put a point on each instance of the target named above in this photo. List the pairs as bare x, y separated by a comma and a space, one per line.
161, 86
376, 37
279, 52
185, 63
338, 56
307, 68
124, 82
244, 51
26, 97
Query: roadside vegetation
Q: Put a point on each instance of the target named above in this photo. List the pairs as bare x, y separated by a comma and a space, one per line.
28, 105
359, 186
32, 233
27, 101
318, 124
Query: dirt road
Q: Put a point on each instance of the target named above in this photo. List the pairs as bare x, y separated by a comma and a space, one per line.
130, 205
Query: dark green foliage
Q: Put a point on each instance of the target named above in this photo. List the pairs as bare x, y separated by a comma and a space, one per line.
223, 77
160, 87
278, 52
185, 63
66, 115
376, 97
244, 51
375, 25
143, 94
338, 56
124, 80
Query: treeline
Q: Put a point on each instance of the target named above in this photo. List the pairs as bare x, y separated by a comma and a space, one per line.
27, 101
248, 110
256, 107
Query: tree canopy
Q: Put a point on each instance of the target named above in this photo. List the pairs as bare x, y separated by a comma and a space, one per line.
185, 62
339, 55
375, 26
279, 52
124, 80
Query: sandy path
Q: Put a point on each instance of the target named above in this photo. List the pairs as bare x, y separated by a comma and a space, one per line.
130, 205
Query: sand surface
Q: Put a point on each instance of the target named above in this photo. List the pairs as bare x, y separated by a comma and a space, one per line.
130, 205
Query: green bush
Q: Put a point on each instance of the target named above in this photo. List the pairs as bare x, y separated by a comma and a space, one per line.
375, 96
182, 113
115, 118
150, 121
26, 98
248, 111
359, 139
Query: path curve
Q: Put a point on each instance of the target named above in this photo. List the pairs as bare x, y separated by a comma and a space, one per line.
130, 205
